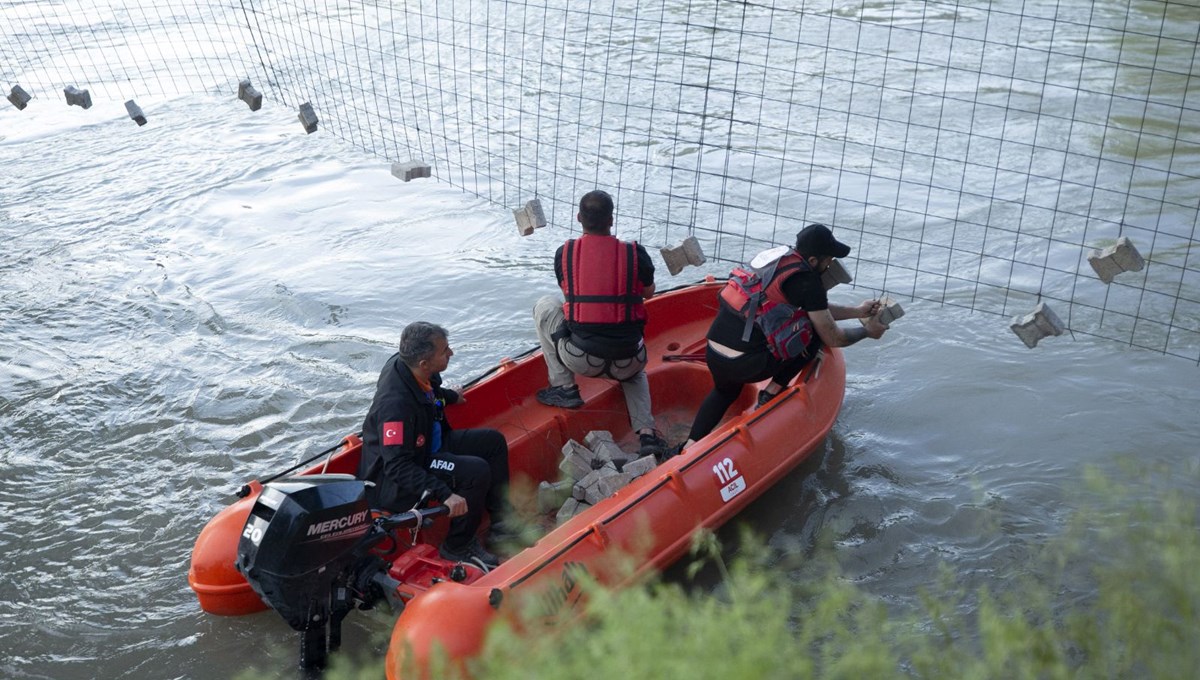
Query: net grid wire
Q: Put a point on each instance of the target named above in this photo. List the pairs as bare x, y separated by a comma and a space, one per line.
973, 156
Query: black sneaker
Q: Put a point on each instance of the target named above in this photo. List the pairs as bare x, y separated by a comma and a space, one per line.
562, 397
507, 538
651, 445
670, 452
471, 552
503, 532
765, 396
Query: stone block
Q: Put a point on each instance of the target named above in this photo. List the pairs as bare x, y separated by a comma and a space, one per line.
19, 97
639, 467
889, 311
308, 117
591, 438
607, 486
77, 97
529, 217
135, 112
248, 94
601, 485
550, 496
1040, 323
577, 460
569, 509
688, 252
834, 275
1115, 259
609, 452
580, 490
410, 170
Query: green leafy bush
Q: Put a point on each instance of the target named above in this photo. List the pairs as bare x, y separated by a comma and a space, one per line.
1115, 596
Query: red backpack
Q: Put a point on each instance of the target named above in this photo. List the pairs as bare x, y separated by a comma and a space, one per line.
786, 327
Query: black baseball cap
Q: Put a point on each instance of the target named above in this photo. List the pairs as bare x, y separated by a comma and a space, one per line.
817, 241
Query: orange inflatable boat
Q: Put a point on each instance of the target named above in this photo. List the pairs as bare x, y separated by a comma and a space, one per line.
314, 550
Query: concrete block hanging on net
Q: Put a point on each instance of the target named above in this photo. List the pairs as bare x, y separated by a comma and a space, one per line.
77, 97
135, 112
19, 97
682, 255
1115, 259
834, 275
248, 94
529, 217
1040, 323
308, 117
410, 170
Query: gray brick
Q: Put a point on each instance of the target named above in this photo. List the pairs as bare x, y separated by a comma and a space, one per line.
577, 460
135, 112
595, 436
609, 485
580, 490
19, 97
1040, 323
834, 275
609, 452
410, 170
639, 467
568, 510
1116, 259
251, 96
687, 253
77, 97
551, 496
889, 311
529, 217
308, 117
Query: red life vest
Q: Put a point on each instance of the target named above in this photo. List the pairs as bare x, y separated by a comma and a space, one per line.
788, 264
600, 281
756, 295
745, 283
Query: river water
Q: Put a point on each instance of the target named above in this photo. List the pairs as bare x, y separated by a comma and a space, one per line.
209, 298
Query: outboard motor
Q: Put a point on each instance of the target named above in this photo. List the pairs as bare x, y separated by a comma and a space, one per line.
303, 549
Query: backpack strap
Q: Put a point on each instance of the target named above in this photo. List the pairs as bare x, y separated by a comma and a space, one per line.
765, 275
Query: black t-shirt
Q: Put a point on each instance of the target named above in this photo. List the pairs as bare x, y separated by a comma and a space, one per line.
610, 341
802, 289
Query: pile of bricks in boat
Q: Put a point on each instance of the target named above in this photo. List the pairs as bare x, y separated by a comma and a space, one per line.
592, 471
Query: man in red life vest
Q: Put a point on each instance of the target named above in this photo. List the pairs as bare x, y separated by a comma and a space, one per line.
596, 329
736, 358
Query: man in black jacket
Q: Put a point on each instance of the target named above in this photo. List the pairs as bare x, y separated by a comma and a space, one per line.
409, 447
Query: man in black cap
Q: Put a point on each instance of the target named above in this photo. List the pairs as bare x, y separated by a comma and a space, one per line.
775, 339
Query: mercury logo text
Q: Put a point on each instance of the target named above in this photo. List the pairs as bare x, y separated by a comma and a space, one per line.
338, 523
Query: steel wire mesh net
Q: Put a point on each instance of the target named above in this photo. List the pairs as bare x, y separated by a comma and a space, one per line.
972, 155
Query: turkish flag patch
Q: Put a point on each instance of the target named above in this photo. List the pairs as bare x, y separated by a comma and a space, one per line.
393, 433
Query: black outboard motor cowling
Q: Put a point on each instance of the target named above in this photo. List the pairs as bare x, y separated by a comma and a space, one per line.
298, 552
